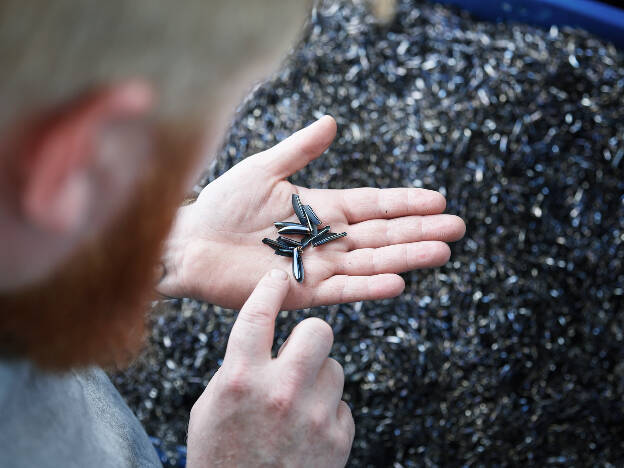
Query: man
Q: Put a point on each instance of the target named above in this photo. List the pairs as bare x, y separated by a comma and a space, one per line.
107, 108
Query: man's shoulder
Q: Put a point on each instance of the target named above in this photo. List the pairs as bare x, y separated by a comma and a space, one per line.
76, 418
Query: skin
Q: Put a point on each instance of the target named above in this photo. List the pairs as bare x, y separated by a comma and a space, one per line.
260, 411
211, 251
256, 411
296, 398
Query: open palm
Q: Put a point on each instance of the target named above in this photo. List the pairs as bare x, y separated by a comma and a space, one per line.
215, 251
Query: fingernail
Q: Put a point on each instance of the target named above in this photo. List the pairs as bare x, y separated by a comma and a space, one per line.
278, 274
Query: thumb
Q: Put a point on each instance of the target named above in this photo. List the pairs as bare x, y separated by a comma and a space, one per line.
251, 338
296, 151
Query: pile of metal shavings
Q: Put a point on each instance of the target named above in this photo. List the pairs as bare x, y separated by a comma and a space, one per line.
511, 354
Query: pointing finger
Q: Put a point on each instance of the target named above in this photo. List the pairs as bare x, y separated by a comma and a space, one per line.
252, 334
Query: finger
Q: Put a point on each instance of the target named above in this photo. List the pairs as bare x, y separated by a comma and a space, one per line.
345, 419
382, 232
343, 288
296, 151
285, 343
361, 204
252, 334
393, 258
330, 383
308, 347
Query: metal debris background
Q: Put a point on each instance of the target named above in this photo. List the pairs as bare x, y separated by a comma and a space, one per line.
513, 353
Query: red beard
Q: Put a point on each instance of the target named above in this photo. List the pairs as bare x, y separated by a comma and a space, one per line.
92, 309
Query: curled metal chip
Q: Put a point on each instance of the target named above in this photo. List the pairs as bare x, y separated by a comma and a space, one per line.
328, 238
312, 215
272, 243
299, 211
297, 264
284, 252
298, 229
281, 224
288, 241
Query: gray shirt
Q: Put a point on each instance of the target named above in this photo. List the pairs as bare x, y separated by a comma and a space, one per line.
76, 419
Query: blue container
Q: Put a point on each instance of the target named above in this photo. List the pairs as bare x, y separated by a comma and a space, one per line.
598, 18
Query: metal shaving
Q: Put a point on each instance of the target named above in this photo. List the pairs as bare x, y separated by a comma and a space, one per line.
513, 353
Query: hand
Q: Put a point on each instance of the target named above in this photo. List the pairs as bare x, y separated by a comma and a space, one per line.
215, 251
259, 411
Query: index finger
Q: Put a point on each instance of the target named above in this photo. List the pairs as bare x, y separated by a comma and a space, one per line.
252, 334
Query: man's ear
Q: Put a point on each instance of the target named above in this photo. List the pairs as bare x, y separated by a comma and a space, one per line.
57, 189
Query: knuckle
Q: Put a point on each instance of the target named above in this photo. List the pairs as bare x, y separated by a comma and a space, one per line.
318, 420
236, 381
255, 313
336, 371
319, 328
281, 402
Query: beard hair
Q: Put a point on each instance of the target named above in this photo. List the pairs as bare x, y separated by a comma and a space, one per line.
93, 309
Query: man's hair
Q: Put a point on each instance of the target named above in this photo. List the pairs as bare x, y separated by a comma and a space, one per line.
52, 49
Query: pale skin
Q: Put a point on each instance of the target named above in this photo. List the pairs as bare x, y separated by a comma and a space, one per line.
260, 411
215, 251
